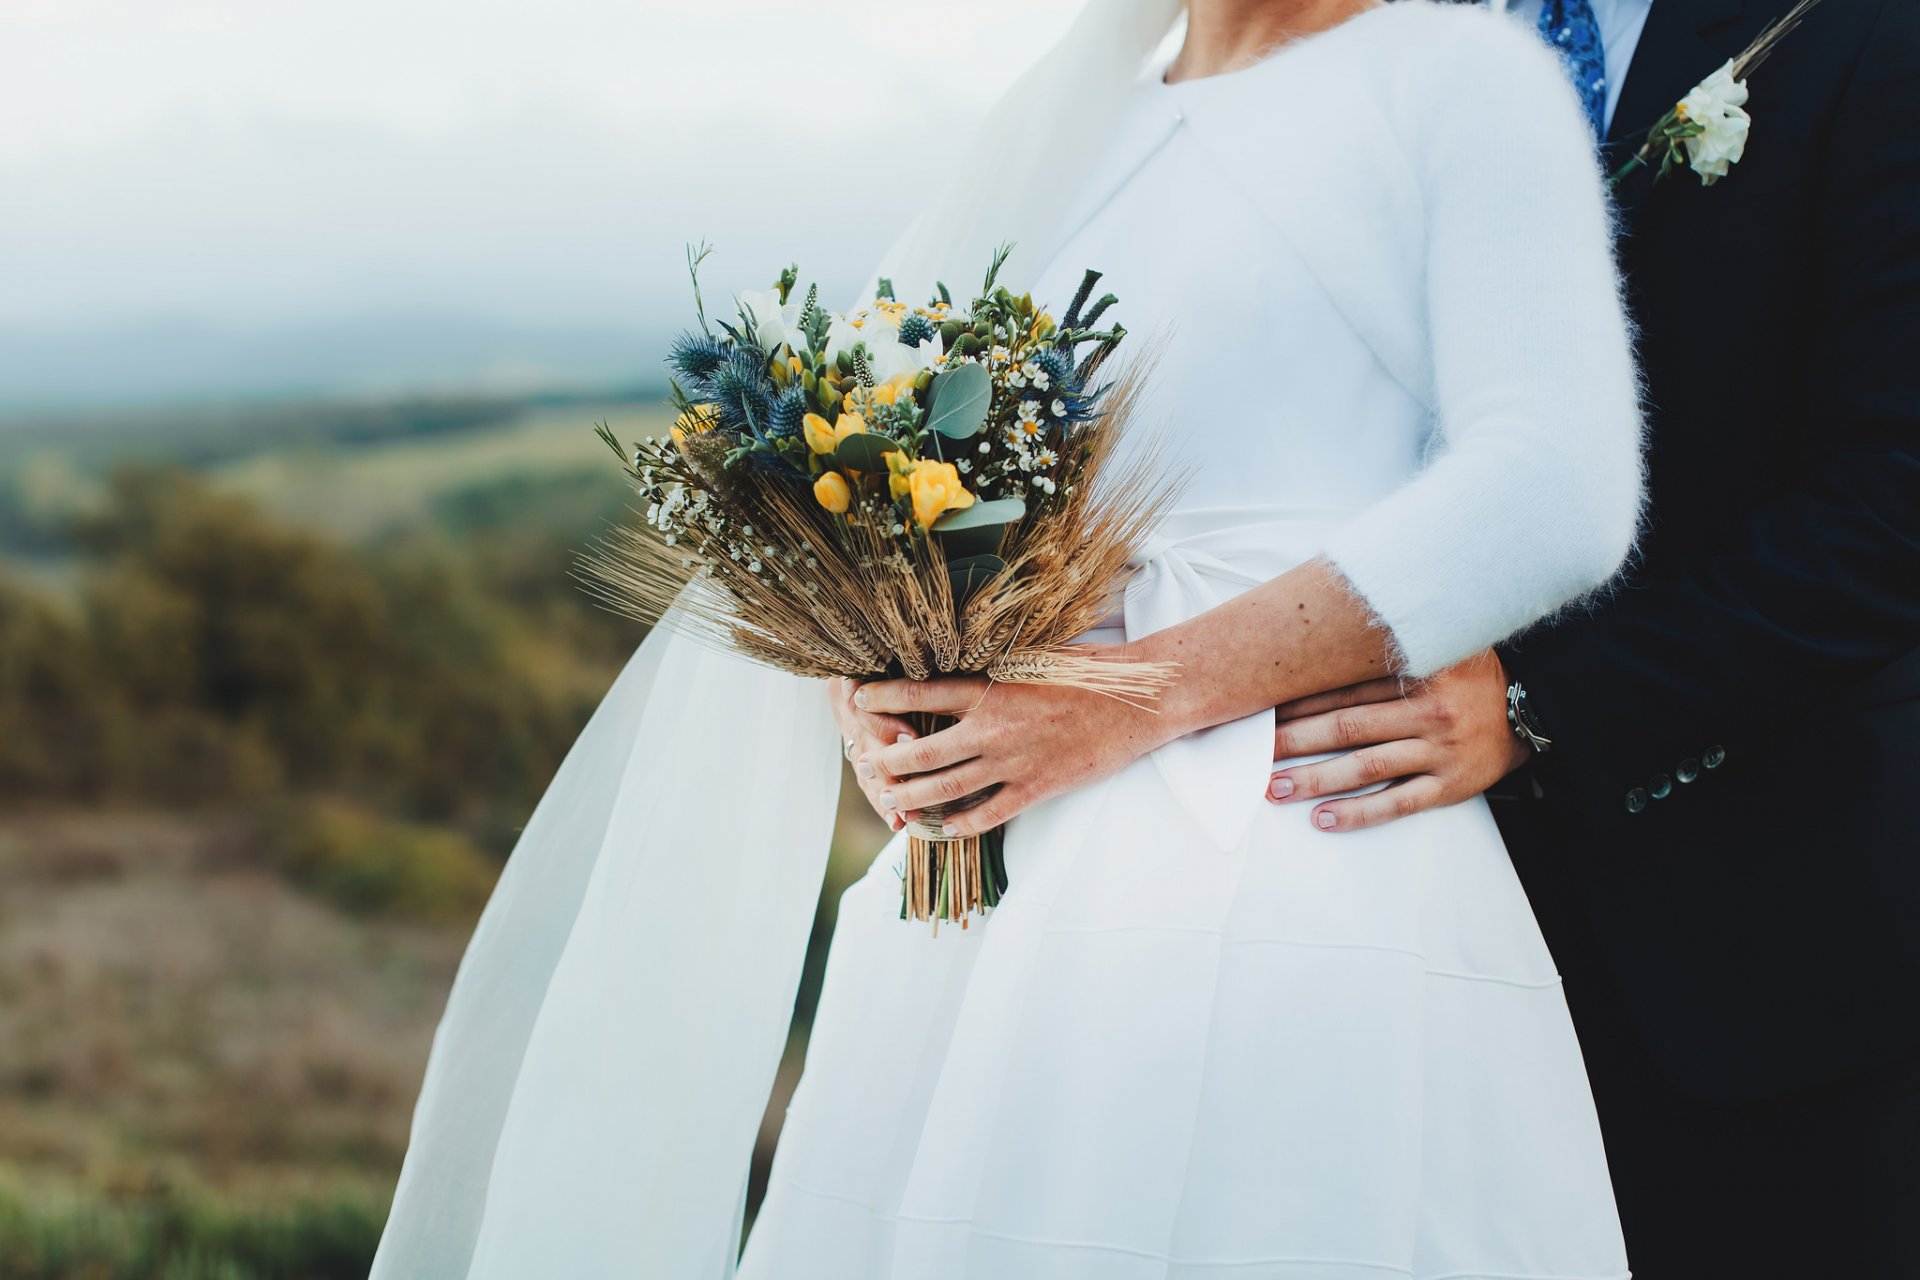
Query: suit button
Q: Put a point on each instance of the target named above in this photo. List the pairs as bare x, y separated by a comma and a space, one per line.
1688, 771
1714, 757
1636, 800
1660, 786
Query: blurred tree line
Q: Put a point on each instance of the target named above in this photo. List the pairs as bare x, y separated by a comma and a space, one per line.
211, 654
194, 690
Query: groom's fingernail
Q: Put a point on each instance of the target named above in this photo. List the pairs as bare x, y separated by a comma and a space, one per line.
886, 800
864, 769
1325, 820
860, 699
1280, 788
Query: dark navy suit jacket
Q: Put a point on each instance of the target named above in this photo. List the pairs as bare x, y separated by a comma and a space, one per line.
1732, 803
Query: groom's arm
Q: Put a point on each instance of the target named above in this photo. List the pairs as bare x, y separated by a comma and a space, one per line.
1788, 612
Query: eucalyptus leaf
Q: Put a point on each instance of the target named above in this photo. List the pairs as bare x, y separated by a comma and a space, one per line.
970, 573
1000, 511
979, 540
865, 451
959, 399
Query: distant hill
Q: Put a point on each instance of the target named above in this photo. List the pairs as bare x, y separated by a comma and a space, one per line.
164, 364
354, 466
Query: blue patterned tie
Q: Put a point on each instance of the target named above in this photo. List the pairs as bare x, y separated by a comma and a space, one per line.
1570, 27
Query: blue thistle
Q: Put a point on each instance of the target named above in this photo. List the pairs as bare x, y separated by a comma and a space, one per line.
1057, 365
695, 356
743, 391
1080, 408
914, 330
783, 417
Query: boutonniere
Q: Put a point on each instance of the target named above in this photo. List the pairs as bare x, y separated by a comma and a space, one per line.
1707, 130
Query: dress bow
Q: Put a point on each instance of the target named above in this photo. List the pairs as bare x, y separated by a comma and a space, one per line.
1197, 560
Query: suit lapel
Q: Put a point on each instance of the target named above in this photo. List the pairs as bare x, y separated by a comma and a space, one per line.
1674, 54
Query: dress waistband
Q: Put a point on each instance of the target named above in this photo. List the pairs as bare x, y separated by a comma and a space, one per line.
1196, 560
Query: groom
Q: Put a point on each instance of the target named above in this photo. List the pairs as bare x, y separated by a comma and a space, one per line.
1719, 817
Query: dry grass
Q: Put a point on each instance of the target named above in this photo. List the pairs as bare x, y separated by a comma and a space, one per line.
190, 1041
167, 1010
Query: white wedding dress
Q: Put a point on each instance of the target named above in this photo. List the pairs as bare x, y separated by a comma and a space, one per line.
1198, 1038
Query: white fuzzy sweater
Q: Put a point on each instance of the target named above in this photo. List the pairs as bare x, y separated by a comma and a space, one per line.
1385, 262
1533, 495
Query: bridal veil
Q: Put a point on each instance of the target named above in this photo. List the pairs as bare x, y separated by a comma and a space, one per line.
612, 1036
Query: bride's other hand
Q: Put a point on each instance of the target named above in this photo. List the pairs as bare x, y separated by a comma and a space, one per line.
1032, 741
1445, 741
869, 734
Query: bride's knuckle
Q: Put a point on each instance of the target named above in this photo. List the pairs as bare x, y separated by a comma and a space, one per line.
950, 787
1373, 766
1349, 726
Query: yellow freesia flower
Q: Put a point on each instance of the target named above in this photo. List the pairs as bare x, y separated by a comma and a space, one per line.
832, 492
887, 392
824, 439
899, 467
936, 490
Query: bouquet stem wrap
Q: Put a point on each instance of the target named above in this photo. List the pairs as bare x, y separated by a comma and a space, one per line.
944, 878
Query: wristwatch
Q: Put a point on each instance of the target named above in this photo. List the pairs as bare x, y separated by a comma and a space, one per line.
1525, 724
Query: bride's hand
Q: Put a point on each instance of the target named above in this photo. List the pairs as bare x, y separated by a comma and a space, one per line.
869, 734
1032, 741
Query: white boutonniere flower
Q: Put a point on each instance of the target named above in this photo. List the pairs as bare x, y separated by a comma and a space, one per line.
1715, 107
1706, 131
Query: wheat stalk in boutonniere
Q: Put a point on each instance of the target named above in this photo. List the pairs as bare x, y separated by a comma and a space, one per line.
1707, 129
902, 491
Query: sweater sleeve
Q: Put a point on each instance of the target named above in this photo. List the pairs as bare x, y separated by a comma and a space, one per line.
1532, 497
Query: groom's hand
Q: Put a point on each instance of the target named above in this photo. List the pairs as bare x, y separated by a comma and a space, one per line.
1442, 741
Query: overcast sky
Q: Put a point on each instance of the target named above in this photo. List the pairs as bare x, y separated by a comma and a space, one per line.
256, 168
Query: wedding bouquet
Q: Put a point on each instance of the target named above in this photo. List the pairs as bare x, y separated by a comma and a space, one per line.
903, 491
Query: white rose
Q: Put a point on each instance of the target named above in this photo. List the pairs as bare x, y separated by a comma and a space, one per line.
862, 326
1715, 105
774, 322
894, 358
887, 357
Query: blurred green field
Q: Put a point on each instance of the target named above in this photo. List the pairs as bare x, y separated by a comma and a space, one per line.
354, 470
277, 687
368, 489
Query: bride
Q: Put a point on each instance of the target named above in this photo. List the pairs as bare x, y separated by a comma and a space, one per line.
1197, 1038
